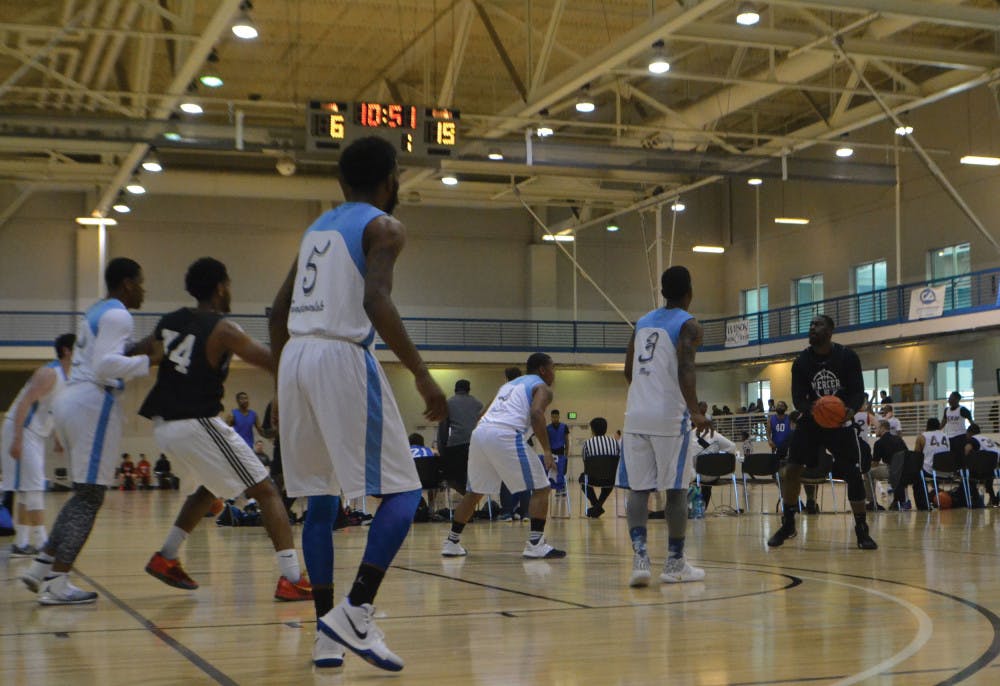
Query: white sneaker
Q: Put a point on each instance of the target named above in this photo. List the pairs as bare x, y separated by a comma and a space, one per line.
453, 549
354, 628
640, 571
542, 550
677, 570
327, 652
59, 591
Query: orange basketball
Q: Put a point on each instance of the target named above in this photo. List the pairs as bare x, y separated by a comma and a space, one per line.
217, 506
829, 411
943, 500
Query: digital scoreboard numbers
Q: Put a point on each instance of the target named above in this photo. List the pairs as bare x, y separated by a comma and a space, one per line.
412, 130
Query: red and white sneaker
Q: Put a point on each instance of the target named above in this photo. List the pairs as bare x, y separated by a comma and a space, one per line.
170, 572
292, 591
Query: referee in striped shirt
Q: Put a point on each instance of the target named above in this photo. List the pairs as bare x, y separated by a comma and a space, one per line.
600, 456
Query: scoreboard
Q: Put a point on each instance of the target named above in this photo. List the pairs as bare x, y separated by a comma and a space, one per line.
412, 130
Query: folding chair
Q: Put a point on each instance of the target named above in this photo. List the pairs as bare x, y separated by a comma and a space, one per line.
946, 469
818, 477
981, 468
711, 468
760, 469
598, 472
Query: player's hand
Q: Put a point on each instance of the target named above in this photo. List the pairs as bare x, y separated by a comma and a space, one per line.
15, 448
155, 352
436, 405
700, 422
549, 462
772, 445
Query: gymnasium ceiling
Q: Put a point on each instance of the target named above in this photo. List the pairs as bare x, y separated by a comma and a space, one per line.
86, 86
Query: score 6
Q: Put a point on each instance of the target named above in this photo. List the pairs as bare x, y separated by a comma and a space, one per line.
337, 126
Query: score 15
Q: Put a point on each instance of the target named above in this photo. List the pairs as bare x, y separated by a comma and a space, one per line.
445, 133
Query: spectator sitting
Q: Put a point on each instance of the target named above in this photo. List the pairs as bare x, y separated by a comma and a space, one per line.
258, 449
976, 441
162, 471
600, 448
144, 472
886, 445
747, 446
428, 467
716, 411
895, 427
126, 472
726, 410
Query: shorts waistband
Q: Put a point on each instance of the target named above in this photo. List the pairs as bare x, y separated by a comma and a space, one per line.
328, 338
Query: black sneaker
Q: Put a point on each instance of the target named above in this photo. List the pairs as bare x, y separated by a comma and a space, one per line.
865, 541
786, 531
812, 507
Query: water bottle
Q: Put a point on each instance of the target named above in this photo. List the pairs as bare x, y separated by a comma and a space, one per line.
699, 504
692, 499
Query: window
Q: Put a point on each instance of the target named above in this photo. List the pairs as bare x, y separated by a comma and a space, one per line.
954, 375
869, 284
950, 263
806, 291
757, 390
752, 302
876, 380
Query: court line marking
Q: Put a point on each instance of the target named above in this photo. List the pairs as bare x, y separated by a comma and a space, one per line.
190, 655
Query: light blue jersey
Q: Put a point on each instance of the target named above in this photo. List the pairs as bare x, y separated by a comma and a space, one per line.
512, 406
655, 405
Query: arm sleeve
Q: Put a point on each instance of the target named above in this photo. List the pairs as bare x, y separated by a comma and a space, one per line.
800, 388
110, 361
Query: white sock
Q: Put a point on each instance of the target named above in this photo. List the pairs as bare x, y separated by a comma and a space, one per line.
288, 564
172, 545
40, 568
40, 535
21, 531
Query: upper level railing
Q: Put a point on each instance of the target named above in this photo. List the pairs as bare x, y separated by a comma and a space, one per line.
963, 294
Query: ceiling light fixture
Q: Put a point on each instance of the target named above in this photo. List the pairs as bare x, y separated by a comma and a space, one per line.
904, 130
558, 238
495, 154
844, 151
96, 221
678, 207
659, 64
191, 108
135, 186
244, 26
802, 221
715, 249
755, 181
585, 103
748, 15
210, 77
120, 206
612, 228
981, 160
152, 162
544, 131
449, 180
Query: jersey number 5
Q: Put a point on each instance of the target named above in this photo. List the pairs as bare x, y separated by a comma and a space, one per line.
179, 354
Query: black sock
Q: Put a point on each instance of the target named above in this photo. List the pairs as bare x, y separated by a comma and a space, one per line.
457, 528
605, 493
323, 599
859, 519
365, 585
537, 529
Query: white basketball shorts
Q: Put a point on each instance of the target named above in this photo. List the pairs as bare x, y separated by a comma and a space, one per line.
655, 462
28, 473
221, 459
499, 453
340, 427
88, 422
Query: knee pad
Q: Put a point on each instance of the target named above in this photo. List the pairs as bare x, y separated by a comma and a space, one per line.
91, 495
32, 500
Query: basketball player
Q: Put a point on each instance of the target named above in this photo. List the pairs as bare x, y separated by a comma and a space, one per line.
953, 425
27, 425
977, 441
184, 405
825, 368
933, 441
340, 427
660, 411
497, 453
88, 422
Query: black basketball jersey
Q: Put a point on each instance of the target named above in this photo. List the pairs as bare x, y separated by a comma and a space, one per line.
838, 373
187, 387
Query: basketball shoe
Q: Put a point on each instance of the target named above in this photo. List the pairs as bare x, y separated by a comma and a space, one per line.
354, 628
677, 570
453, 549
23, 550
640, 571
542, 550
327, 652
59, 591
865, 541
170, 572
292, 591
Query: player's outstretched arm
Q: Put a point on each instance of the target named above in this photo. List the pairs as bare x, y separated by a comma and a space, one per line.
688, 343
384, 240
233, 339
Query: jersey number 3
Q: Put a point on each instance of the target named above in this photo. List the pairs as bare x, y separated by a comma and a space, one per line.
179, 354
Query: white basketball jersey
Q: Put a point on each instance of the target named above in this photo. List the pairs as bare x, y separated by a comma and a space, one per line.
329, 293
864, 421
110, 321
512, 405
987, 444
954, 422
655, 405
934, 442
39, 417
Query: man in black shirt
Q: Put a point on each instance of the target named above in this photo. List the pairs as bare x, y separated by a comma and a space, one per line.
886, 445
825, 368
184, 405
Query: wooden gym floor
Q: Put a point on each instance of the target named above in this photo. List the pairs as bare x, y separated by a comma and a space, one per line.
923, 609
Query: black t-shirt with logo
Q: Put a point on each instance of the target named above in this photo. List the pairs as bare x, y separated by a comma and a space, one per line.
838, 373
187, 386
